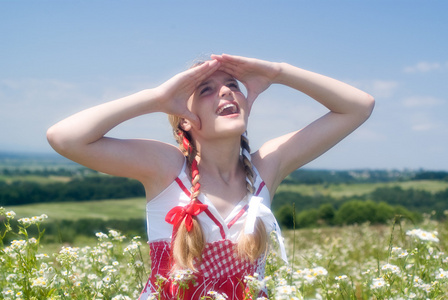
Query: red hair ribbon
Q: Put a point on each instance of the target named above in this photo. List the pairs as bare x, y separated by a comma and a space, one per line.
194, 173
186, 143
176, 215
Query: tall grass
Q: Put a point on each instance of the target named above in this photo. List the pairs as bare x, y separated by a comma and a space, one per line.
400, 261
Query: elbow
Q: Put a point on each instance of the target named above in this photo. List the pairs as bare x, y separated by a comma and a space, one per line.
368, 104
52, 138
57, 140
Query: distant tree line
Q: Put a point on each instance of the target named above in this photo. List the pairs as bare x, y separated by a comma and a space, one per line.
78, 189
46, 172
349, 213
306, 176
377, 207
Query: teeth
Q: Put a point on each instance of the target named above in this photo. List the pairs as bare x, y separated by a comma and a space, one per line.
233, 106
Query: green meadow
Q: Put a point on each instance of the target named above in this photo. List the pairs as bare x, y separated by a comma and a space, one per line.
135, 207
359, 189
101, 243
115, 209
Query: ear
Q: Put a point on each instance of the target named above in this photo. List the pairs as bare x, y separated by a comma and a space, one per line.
185, 124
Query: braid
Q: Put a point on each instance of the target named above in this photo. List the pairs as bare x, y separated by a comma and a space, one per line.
251, 245
188, 246
245, 150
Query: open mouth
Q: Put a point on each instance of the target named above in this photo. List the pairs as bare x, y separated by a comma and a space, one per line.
227, 109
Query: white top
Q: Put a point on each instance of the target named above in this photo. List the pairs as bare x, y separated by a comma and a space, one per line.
214, 226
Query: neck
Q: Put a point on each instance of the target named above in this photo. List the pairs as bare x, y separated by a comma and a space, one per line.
220, 157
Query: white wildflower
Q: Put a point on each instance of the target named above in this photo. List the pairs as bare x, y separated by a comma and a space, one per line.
378, 283
393, 268
441, 274
101, 235
10, 214
182, 276
216, 295
285, 290
41, 282
41, 256
423, 235
138, 263
341, 277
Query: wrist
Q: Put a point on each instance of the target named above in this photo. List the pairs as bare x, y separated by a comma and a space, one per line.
280, 72
148, 101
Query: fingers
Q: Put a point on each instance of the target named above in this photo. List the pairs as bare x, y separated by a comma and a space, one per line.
230, 69
228, 64
203, 71
192, 78
229, 58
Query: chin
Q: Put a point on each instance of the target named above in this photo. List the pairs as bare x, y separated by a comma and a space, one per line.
232, 131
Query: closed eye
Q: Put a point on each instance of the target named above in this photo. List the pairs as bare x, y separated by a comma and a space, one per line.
233, 85
205, 90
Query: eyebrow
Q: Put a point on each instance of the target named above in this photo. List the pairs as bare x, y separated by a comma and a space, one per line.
230, 79
203, 83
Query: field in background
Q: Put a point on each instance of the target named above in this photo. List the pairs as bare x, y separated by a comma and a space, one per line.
327, 262
117, 209
358, 189
135, 207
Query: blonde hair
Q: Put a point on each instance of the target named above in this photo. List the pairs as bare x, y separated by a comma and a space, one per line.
188, 246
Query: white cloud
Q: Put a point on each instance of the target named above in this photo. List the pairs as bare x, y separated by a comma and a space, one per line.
423, 127
366, 134
31, 105
422, 101
423, 121
273, 115
377, 87
423, 67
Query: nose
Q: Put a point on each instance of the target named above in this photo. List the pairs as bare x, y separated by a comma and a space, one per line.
225, 91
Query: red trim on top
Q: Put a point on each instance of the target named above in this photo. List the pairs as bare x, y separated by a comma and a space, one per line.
221, 228
239, 214
182, 186
211, 216
207, 211
262, 184
244, 209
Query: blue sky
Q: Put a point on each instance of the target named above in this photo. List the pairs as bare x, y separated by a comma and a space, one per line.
58, 57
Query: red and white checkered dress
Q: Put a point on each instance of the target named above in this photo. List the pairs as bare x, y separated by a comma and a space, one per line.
220, 270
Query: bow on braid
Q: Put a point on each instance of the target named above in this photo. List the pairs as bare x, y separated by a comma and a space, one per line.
188, 240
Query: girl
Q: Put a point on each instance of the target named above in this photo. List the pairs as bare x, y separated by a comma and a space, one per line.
208, 201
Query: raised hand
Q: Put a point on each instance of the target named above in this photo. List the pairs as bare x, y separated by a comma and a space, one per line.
256, 75
175, 92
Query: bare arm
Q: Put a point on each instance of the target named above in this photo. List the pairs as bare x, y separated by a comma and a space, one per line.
348, 109
81, 137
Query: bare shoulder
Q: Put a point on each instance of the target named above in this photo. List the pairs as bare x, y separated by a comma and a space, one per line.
277, 158
267, 165
159, 165
151, 162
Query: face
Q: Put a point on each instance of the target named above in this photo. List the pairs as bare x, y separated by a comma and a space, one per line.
220, 106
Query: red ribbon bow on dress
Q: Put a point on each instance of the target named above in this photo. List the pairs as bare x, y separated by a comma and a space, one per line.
176, 215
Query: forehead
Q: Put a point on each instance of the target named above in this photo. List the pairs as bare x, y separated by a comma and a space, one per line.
218, 76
